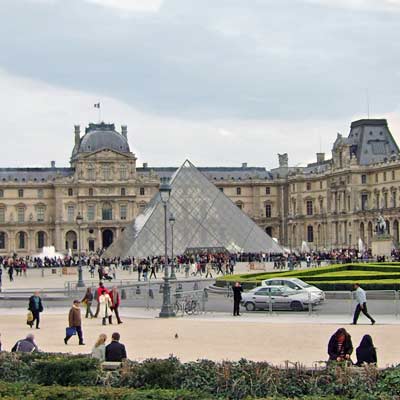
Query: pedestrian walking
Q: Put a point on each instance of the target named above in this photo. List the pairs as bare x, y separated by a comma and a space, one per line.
115, 303
105, 307
361, 299
209, 270
237, 297
74, 323
36, 307
153, 271
11, 273
87, 301
98, 294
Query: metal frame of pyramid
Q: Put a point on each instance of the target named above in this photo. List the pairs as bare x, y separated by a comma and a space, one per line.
205, 218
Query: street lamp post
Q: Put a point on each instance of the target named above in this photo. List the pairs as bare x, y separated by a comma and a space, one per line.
172, 222
79, 220
166, 309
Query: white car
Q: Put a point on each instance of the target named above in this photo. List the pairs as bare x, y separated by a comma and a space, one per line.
295, 284
281, 297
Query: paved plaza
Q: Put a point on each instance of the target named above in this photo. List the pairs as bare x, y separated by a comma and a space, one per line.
211, 336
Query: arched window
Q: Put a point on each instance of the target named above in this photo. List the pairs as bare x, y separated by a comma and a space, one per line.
310, 234
268, 212
40, 239
106, 212
71, 240
21, 240
123, 192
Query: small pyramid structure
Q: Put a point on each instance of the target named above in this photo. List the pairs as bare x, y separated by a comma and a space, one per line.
204, 219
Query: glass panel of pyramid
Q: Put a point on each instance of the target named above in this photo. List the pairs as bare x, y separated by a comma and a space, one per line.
204, 218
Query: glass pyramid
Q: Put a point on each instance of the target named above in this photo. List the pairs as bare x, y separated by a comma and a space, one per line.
205, 219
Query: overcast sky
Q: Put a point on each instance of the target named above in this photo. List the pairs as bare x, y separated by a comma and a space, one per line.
220, 82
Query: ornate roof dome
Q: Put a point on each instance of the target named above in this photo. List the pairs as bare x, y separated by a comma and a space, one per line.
102, 136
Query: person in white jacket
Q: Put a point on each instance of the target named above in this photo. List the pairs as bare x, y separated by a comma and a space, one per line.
105, 307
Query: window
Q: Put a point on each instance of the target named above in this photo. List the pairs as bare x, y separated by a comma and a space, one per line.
268, 212
123, 172
21, 236
364, 201
90, 192
1, 193
20, 193
363, 179
91, 244
70, 192
376, 178
123, 192
308, 185
239, 206
41, 240
123, 211
384, 176
141, 191
394, 198
267, 190
90, 212
221, 189
321, 185
91, 173
310, 234
348, 203
2, 215
70, 213
321, 206
40, 215
106, 212
2, 240
106, 170
393, 175
142, 206
21, 215
309, 207
238, 191
385, 200
40, 193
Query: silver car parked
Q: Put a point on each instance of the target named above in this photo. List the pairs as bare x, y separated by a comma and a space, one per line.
281, 297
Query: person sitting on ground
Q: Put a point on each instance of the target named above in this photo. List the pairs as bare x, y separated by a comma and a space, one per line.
115, 351
366, 352
340, 346
99, 349
26, 345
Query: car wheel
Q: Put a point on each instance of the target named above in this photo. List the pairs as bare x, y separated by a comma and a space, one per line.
250, 306
296, 306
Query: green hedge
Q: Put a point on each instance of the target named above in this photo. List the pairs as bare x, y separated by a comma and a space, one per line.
170, 379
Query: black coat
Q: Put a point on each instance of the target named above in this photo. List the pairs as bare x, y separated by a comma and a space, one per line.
115, 351
333, 347
366, 355
32, 305
237, 293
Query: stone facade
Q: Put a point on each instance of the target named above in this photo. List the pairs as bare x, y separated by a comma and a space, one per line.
329, 203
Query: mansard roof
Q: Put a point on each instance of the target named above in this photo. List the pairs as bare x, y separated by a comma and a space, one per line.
33, 174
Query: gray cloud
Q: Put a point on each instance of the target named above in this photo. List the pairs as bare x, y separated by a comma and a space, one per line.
260, 59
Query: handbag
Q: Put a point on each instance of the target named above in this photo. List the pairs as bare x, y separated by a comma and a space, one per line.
29, 316
70, 331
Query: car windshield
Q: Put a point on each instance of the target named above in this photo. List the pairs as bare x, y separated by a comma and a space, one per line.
301, 283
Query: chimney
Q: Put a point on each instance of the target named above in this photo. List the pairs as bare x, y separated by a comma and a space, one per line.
77, 134
53, 164
244, 165
320, 158
124, 131
145, 165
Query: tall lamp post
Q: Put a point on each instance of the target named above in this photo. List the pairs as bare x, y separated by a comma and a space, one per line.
79, 220
166, 309
172, 222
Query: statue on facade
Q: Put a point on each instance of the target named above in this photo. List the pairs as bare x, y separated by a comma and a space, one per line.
380, 227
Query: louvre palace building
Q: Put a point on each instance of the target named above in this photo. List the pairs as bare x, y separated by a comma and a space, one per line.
330, 203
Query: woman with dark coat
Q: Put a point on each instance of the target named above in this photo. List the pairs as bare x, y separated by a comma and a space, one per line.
366, 352
340, 346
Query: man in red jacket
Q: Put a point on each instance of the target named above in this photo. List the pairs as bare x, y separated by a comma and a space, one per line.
115, 302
